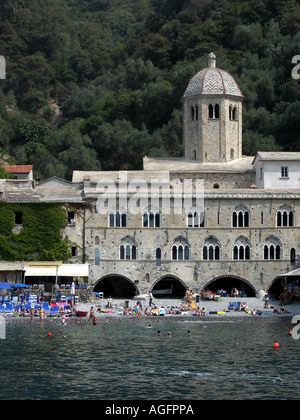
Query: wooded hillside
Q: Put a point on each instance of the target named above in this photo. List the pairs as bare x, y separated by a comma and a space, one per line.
96, 84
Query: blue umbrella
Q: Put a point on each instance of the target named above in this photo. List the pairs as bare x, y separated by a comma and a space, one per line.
5, 286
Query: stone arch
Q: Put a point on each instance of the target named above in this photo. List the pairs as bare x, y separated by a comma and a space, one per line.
227, 283
171, 283
276, 286
116, 286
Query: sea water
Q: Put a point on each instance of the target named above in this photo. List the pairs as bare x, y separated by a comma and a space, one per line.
121, 358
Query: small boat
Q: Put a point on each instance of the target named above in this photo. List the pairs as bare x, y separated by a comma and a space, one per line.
210, 295
81, 314
163, 291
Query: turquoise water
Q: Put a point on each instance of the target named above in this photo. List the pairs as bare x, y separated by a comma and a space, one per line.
122, 359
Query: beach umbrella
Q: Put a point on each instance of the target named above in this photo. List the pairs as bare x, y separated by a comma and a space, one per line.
5, 286
73, 289
19, 286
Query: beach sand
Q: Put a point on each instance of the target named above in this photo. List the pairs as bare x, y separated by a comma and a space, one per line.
210, 306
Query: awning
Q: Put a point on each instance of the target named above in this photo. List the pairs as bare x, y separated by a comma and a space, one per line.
64, 270
292, 273
73, 270
41, 271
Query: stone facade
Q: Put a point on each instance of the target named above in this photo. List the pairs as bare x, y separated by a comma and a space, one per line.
243, 232
212, 116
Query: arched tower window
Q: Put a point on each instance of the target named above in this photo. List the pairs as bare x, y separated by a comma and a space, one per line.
214, 111
217, 111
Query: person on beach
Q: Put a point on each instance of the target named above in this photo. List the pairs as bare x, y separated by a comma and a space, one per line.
109, 302
138, 310
95, 320
150, 299
41, 315
31, 314
92, 313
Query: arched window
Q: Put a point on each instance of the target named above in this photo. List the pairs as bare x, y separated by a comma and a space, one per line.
96, 240
196, 219
241, 217
194, 113
117, 219
242, 249
180, 249
272, 249
217, 111
285, 217
232, 113
211, 249
128, 249
151, 219
293, 256
214, 111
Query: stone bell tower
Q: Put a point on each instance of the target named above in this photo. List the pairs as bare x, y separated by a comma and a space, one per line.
212, 116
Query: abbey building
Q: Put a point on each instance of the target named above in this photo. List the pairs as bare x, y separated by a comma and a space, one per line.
215, 220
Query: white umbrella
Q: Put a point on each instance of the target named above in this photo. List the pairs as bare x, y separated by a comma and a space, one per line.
73, 289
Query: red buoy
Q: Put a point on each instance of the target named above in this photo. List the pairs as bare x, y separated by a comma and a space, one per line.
49, 335
276, 346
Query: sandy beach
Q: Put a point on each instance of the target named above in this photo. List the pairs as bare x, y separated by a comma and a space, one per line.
211, 308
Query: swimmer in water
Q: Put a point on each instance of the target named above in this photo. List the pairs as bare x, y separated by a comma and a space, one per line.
169, 334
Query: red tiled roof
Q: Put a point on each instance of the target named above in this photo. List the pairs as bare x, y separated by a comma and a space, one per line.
18, 169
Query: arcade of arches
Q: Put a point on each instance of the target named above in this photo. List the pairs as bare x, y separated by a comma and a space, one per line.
168, 287
116, 287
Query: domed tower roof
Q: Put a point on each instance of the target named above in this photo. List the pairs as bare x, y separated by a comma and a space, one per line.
213, 81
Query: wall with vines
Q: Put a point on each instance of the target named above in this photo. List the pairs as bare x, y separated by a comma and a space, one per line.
33, 232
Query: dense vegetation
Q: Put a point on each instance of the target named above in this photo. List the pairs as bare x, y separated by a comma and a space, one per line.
97, 83
37, 235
